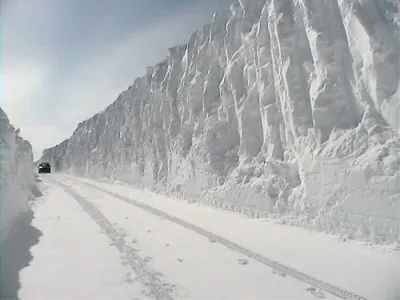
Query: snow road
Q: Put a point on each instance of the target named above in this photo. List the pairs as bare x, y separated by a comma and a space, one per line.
110, 241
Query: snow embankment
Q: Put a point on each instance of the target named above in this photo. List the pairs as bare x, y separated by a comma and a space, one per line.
17, 180
237, 119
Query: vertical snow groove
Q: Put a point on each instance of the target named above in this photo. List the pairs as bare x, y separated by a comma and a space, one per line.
332, 97
292, 84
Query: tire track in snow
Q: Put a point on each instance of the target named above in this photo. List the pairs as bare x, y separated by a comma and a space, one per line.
313, 281
158, 290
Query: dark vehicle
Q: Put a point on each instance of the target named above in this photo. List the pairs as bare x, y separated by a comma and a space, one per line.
44, 167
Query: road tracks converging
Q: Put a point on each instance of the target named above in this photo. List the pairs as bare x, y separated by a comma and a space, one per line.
157, 289
313, 281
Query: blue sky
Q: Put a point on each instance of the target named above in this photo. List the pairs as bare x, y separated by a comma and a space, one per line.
64, 60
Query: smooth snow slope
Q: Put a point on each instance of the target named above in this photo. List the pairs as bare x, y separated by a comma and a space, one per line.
289, 108
17, 179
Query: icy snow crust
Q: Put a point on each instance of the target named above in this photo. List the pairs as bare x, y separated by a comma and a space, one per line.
279, 108
17, 179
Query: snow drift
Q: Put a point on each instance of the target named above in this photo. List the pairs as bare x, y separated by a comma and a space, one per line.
279, 108
17, 179
17, 188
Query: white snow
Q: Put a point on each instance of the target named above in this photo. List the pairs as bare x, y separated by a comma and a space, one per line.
75, 260
372, 272
278, 107
284, 110
17, 179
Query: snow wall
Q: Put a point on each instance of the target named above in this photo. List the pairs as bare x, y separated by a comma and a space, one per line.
17, 178
282, 108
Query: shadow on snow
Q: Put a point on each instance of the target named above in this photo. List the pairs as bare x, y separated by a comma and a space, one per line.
15, 253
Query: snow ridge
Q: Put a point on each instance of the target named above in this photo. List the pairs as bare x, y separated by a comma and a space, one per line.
279, 108
17, 179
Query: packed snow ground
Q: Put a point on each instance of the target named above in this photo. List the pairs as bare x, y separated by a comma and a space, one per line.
100, 243
73, 260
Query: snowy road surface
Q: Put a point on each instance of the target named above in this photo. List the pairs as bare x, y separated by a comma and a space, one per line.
110, 241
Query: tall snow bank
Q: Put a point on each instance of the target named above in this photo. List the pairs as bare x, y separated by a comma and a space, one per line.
285, 108
17, 179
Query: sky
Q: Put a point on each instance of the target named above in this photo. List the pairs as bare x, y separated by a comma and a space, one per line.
62, 61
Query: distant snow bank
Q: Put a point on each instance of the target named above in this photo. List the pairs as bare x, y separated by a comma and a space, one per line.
17, 178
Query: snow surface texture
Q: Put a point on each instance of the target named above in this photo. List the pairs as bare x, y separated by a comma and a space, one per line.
17, 178
285, 108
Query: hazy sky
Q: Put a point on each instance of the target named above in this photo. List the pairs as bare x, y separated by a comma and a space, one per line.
64, 60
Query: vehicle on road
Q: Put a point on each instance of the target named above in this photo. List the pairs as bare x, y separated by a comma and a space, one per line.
44, 167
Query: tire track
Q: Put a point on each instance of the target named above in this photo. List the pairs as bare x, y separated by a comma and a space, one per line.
157, 289
313, 281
